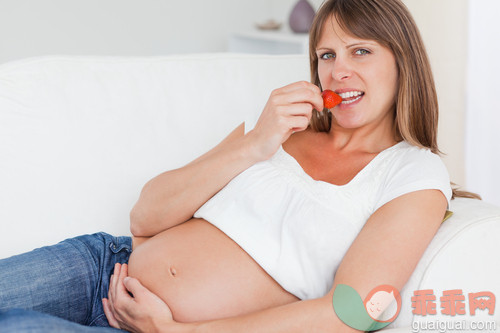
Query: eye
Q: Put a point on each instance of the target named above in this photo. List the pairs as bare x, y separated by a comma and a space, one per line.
328, 56
362, 52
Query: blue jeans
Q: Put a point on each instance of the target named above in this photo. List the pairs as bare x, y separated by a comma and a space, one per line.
59, 288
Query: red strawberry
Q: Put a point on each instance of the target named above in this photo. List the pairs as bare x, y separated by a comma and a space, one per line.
330, 99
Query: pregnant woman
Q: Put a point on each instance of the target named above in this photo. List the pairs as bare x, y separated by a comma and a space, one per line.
256, 234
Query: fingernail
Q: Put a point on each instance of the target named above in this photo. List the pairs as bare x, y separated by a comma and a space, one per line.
126, 279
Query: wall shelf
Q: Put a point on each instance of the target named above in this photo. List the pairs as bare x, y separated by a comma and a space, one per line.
269, 42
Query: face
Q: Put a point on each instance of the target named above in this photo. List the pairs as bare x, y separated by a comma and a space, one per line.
362, 72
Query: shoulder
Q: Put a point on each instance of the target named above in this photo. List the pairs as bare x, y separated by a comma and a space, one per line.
406, 158
409, 168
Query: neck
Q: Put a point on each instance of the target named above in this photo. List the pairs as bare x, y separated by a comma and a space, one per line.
372, 138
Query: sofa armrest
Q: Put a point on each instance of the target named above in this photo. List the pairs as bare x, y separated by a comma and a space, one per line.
464, 255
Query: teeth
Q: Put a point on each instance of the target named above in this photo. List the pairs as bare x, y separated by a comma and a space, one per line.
351, 101
350, 94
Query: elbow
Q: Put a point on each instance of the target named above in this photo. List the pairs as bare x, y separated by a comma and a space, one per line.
138, 222
140, 215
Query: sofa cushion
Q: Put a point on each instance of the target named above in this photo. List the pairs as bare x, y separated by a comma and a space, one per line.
82, 135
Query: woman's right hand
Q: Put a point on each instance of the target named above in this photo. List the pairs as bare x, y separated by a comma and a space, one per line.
288, 110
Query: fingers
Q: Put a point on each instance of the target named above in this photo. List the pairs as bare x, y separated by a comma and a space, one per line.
299, 85
289, 109
109, 303
109, 314
299, 123
298, 109
134, 314
117, 293
116, 280
292, 118
134, 287
113, 282
298, 92
120, 288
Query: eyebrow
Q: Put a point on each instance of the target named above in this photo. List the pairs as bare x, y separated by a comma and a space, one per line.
347, 46
356, 44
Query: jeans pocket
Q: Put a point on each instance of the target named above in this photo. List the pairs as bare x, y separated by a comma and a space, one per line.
121, 246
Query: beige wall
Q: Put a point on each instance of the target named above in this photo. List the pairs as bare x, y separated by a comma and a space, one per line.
443, 24
122, 27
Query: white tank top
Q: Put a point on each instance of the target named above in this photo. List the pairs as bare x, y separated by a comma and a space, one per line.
298, 229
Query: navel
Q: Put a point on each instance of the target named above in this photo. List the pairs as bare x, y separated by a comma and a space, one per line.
173, 271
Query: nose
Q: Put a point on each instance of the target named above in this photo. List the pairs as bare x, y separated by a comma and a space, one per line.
341, 70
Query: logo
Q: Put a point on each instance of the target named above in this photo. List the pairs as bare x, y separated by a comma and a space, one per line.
452, 302
380, 307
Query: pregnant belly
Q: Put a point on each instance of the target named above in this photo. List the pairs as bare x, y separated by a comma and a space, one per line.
202, 274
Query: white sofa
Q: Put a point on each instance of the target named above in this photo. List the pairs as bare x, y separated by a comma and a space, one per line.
79, 136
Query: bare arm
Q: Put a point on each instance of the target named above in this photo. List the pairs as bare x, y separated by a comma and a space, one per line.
172, 197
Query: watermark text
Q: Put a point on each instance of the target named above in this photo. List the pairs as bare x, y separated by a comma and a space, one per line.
450, 326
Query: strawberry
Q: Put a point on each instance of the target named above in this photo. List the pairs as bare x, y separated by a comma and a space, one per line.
330, 99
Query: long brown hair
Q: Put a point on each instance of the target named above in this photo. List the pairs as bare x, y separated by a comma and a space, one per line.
389, 23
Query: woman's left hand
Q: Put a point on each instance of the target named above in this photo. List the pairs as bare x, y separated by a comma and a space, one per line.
142, 311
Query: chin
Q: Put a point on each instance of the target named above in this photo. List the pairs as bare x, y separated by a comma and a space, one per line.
345, 121
350, 124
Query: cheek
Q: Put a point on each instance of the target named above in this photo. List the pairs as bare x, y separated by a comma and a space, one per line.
391, 75
394, 83
385, 86
323, 75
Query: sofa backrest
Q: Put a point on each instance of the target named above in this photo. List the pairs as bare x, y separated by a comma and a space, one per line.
80, 136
